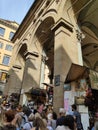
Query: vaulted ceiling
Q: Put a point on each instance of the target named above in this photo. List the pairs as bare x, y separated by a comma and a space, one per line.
86, 12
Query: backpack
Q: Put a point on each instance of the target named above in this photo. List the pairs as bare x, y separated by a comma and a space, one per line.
23, 121
30, 125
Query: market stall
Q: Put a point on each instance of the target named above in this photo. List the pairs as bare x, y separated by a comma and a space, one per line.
36, 95
76, 86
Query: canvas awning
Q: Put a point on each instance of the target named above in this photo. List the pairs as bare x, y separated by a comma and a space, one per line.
37, 92
49, 85
75, 72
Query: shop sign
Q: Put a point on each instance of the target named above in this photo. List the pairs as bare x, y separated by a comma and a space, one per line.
57, 80
94, 79
67, 87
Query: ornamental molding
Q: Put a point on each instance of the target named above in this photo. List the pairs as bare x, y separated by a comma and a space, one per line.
8, 25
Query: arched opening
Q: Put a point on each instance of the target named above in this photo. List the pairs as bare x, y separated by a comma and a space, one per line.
19, 68
45, 37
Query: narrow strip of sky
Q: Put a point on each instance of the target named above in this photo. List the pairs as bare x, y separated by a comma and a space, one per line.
14, 10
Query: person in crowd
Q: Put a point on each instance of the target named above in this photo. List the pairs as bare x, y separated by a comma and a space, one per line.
8, 118
49, 123
44, 117
52, 118
77, 117
60, 120
69, 123
7, 106
19, 119
95, 127
96, 120
50, 109
39, 124
53, 121
27, 111
28, 125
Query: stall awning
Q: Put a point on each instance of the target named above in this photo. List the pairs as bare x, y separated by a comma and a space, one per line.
49, 85
37, 92
75, 72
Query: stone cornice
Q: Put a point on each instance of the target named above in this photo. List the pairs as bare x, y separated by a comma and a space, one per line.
5, 40
4, 22
64, 23
28, 54
27, 20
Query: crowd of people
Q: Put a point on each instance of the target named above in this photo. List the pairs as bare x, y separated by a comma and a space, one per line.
39, 117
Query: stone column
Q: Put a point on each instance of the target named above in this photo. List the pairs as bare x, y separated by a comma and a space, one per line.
31, 76
65, 53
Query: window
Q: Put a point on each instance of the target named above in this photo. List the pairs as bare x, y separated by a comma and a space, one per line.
2, 31
8, 47
6, 60
1, 45
11, 35
3, 77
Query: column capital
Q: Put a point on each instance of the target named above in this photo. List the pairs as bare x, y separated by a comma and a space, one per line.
62, 22
29, 54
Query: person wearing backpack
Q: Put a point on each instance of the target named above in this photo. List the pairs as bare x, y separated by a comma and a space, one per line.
20, 118
28, 125
77, 117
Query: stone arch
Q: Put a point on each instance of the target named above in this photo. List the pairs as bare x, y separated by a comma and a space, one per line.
44, 39
23, 44
50, 18
50, 13
21, 62
91, 26
17, 70
40, 30
20, 58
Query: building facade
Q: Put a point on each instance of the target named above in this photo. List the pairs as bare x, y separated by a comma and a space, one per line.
7, 30
56, 34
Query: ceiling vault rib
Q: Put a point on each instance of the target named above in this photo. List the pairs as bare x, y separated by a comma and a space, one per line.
83, 7
90, 35
90, 53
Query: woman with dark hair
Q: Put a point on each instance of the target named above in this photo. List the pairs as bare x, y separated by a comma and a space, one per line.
69, 123
8, 118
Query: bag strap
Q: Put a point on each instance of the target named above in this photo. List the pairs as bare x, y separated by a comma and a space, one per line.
30, 124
